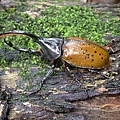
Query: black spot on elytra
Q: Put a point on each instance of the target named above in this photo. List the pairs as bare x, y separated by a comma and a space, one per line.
101, 57
95, 51
88, 55
92, 60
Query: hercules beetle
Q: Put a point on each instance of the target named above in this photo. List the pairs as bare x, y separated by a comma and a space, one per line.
73, 51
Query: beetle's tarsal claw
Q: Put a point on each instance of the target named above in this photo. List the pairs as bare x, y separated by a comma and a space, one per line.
106, 76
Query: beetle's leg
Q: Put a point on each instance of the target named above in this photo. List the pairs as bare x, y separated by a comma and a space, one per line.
81, 86
72, 75
109, 44
95, 71
108, 47
66, 66
44, 78
48, 73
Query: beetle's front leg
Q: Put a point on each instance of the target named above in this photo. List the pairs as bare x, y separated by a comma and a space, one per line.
48, 73
44, 78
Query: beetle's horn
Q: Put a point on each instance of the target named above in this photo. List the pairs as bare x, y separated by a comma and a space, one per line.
15, 32
50, 47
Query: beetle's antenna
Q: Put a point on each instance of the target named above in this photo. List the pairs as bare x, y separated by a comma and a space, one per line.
43, 80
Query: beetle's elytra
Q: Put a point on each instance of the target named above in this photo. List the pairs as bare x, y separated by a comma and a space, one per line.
73, 50
84, 53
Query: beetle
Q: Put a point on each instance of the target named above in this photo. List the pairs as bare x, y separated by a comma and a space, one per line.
74, 51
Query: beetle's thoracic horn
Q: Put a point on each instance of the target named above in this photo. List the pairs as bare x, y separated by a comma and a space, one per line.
51, 47
22, 33
16, 32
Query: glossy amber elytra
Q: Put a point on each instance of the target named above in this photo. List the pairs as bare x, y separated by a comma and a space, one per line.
84, 53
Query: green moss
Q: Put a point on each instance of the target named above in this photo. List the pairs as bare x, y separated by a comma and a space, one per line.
63, 22
79, 21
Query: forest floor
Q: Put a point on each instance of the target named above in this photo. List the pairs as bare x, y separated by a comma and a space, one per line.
64, 98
